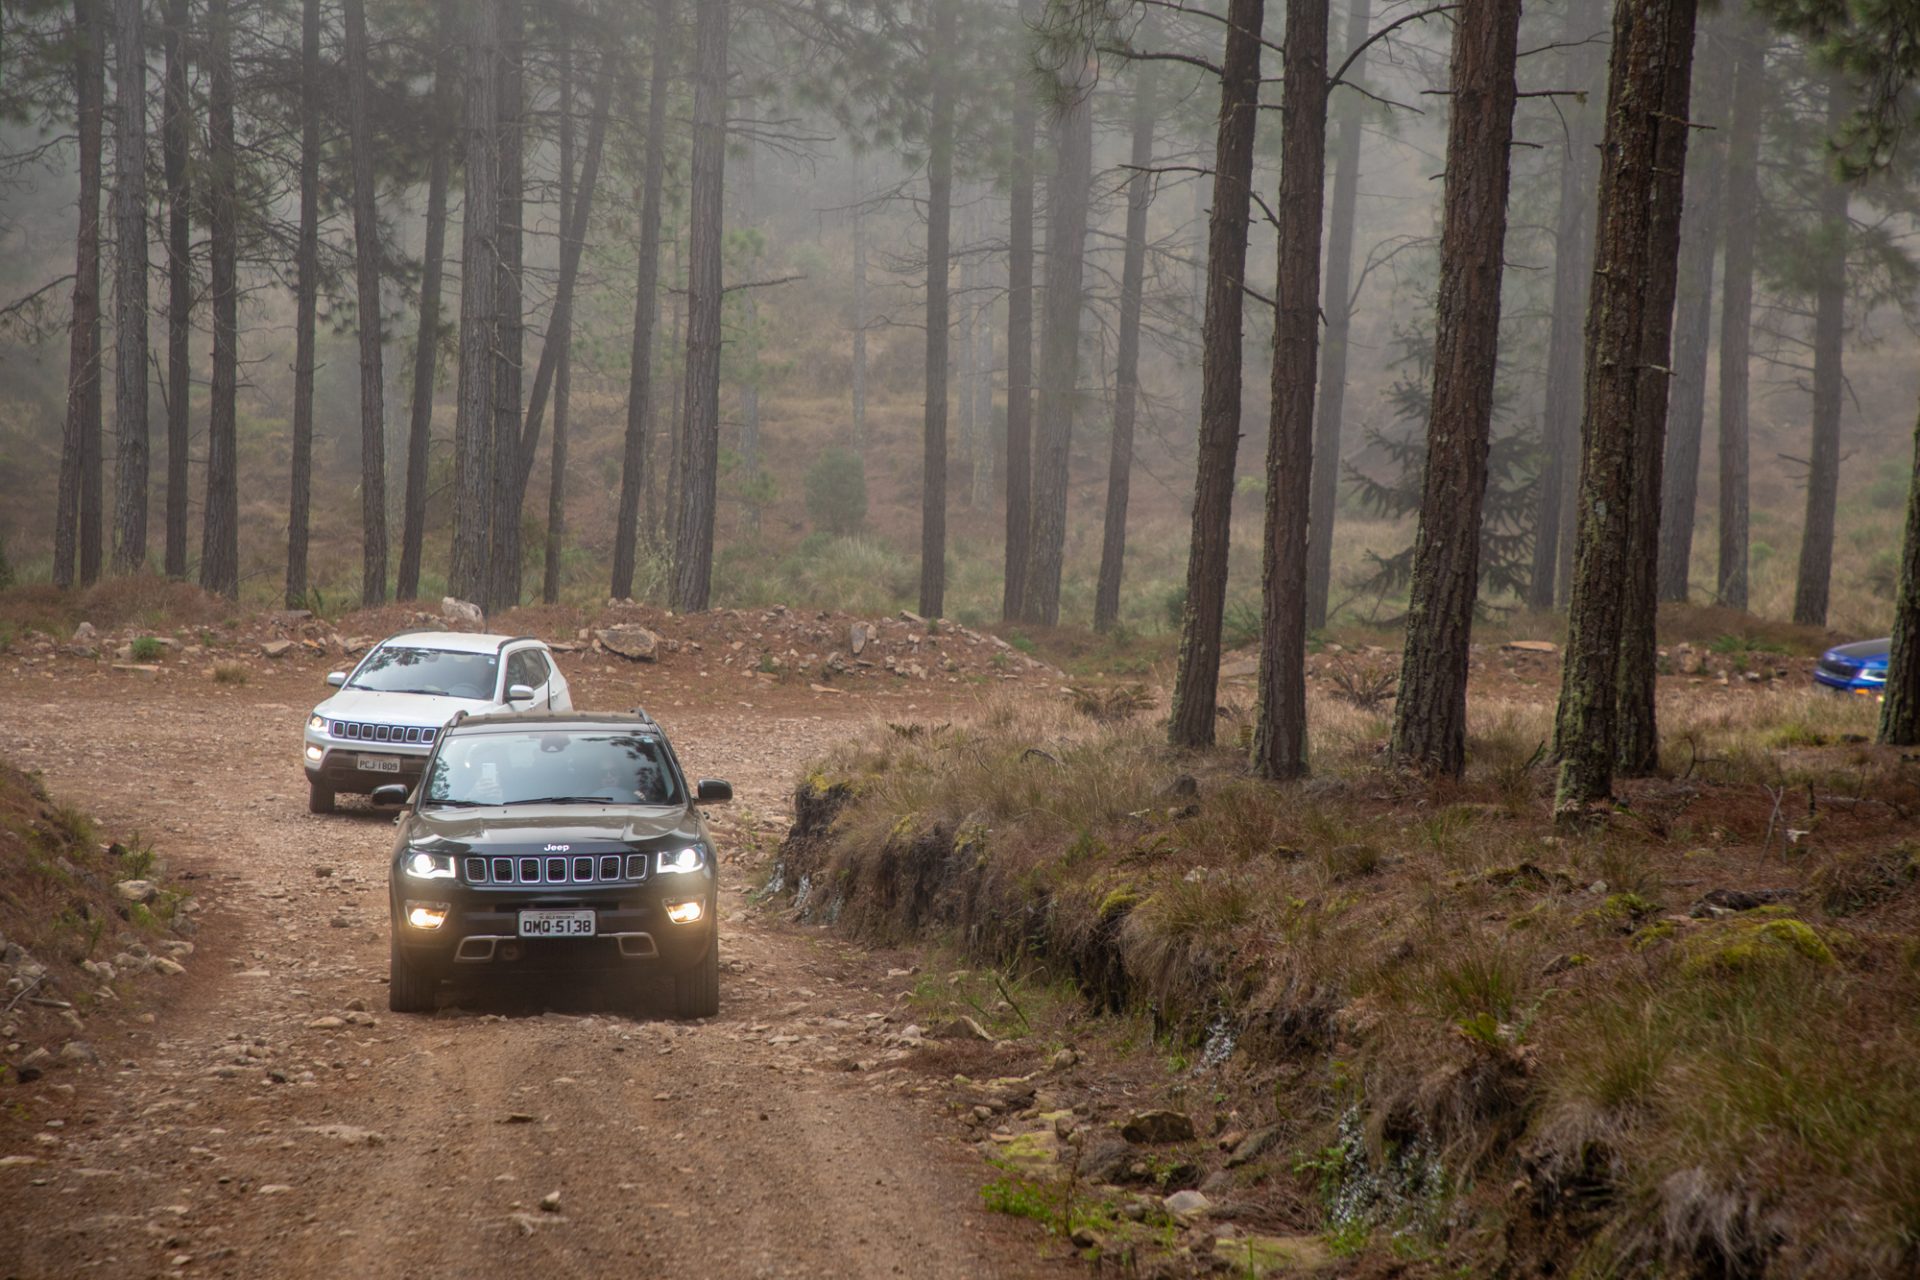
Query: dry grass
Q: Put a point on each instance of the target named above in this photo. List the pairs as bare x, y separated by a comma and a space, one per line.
1522, 1003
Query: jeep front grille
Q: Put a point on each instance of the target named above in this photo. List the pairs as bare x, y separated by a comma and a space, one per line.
555, 869
357, 731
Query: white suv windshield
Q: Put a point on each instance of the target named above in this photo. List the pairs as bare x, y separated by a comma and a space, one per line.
399, 669
552, 768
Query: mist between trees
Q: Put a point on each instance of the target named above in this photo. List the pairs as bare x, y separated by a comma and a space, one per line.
1231, 319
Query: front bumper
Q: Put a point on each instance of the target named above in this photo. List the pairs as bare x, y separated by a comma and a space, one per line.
480, 934
1850, 679
338, 764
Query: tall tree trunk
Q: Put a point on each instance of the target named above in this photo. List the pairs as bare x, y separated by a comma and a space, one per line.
176, 127
749, 349
1736, 306
984, 440
1636, 736
1629, 320
130, 284
1900, 711
1330, 403
1019, 450
1583, 31
1829, 384
474, 419
220, 535
699, 445
968, 371
1280, 726
509, 482
1430, 715
1126, 382
1693, 321
634, 475
1068, 195
933, 462
1197, 678
426, 349
859, 375
366, 262
563, 374
77, 522
305, 294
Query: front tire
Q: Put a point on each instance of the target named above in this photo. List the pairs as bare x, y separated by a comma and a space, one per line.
696, 993
319, 797
409, 989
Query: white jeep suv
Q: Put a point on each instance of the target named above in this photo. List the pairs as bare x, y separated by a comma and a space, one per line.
380, 728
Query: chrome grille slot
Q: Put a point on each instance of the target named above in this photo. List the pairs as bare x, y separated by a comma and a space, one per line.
529, 871
583, 868
556, 870
610, 867
358, 731
579, 869
636, 866
503, 870
477, 870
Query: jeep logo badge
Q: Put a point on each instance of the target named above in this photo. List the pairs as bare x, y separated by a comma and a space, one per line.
558, 848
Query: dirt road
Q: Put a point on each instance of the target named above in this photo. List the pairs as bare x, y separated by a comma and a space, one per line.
269, 1117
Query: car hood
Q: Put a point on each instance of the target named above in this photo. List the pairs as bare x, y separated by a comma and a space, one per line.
424, 710
531, 828
1865, 653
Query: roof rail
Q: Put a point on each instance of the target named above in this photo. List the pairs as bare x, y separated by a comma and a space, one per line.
458, 716
641, 713
512, 640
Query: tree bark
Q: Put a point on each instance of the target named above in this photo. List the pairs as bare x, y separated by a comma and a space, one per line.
859, 373
176, 127
1430, 715
1582, 31
1068, 195
509, 483
305, 301
1736, 308
77, 523
1829, 385
563, 373
933, 462
1280, 725
130, 284
366, 263
1693, 323
634, 479
1197, 678
1126, 384
699, 444
474, 419
1019, 448
1330, 403
426, 350
220, 535
1637, 740
1631, 307
1900, 711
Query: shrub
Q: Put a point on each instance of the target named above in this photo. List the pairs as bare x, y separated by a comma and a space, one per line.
147, 649
837, 492
230, 673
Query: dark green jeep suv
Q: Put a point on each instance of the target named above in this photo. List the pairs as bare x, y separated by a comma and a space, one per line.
554, 843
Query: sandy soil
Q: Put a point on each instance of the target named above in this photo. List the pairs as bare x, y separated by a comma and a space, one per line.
225, 1133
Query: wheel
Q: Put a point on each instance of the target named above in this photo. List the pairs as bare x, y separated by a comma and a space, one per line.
696, 993
409, 990
319, 797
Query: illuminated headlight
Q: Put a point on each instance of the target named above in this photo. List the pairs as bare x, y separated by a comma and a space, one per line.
684, 912
317, 722
427, 915
315, 754
422, 865
679, 861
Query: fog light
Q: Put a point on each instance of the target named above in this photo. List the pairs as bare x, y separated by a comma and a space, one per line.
684, 912
314, 754
427, 915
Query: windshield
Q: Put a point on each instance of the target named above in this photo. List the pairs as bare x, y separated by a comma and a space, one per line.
399, 669
552, 768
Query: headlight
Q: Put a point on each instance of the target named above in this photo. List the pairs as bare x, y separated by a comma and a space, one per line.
678, 861
317, 722
429, 866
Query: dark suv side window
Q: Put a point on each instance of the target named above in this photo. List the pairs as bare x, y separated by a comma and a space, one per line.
538, 672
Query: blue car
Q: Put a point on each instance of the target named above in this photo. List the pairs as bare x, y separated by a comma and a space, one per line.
1855, 668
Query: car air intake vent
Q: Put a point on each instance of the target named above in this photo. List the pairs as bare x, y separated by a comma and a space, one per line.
602, 868
359, 731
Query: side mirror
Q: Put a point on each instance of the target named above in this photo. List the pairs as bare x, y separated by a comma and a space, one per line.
713, 791
336, 678
520, 693
390, 796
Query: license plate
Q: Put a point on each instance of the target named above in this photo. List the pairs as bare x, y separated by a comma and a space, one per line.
556, 924
378, 764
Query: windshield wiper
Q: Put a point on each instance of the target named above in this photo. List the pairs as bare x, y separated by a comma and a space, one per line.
460, 804
565, 800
